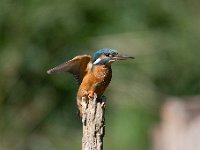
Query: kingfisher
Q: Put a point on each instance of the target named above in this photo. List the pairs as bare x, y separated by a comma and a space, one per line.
93, 74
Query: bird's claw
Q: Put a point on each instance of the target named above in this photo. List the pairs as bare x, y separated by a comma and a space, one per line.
91, 94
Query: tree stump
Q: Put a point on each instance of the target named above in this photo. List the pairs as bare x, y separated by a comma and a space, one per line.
93, 124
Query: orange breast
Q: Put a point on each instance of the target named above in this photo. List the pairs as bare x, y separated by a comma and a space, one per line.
96, 80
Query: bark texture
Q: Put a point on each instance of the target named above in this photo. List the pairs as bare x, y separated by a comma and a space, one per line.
93, 124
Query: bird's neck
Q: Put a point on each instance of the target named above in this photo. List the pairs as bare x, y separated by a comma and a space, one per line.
103, 67
101, 71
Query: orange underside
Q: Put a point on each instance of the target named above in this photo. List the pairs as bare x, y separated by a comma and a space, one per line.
95, 81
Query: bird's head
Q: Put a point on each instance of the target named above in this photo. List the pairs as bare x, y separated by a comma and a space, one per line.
107, 56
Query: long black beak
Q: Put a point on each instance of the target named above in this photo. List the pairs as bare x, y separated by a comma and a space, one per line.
122, 57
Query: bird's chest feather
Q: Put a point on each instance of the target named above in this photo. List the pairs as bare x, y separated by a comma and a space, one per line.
102, 75
97, 79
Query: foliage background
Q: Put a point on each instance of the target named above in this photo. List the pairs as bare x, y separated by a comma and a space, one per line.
38, 111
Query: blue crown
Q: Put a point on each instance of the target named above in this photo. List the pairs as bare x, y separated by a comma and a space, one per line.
105, 51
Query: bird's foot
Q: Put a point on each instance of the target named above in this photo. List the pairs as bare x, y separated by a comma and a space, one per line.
91, 94
103, 101
88, 94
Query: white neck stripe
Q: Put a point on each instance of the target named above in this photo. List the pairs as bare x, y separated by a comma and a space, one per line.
97, 61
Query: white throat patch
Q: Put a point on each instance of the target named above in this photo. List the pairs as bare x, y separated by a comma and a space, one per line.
97, 61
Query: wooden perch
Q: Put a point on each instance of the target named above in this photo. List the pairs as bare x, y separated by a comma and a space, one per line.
93, 124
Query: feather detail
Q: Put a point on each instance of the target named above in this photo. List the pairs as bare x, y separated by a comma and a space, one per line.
78, 66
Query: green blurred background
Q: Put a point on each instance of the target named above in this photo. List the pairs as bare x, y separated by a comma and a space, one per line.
38, 111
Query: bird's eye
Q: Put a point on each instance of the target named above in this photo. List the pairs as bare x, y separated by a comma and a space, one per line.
107, 54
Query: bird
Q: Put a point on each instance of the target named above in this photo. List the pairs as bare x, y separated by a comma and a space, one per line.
93, 74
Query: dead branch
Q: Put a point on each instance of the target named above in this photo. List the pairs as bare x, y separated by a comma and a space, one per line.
93, 124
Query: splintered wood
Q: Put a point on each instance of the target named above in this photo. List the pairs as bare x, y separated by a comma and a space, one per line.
93, 124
